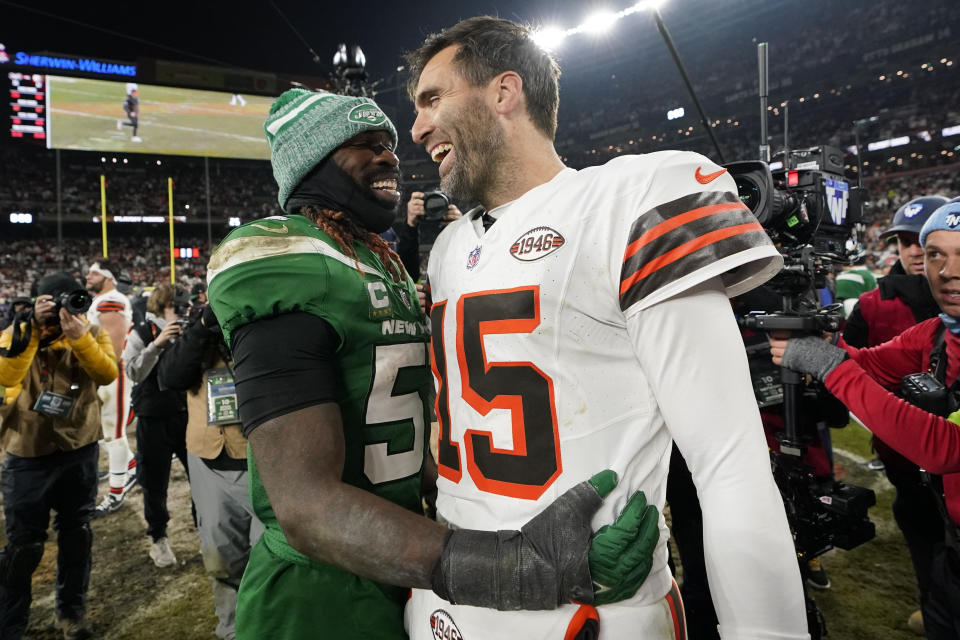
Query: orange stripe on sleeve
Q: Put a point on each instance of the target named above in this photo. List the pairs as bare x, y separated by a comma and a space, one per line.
679, 220
686, 249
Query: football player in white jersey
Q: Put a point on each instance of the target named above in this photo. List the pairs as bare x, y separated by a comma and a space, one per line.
582, 322
112, 311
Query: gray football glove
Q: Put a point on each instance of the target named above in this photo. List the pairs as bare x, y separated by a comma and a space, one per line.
813, 355
541, 566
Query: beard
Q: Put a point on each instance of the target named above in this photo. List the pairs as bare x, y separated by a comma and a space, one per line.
95, 288
478, 149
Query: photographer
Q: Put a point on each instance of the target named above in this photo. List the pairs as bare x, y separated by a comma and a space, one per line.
161, 414
861, 378
52, 362
408, 235
200, 364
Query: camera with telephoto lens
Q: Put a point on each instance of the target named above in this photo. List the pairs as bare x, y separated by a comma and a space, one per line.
435, 205
75, 302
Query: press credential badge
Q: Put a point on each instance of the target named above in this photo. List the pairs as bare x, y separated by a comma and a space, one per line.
221, 397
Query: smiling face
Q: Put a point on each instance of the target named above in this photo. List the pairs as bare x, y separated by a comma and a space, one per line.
369, 159
457, 128
911, 253
942, 264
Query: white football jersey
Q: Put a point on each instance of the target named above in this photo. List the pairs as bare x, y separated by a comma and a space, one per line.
109, 301
539, 384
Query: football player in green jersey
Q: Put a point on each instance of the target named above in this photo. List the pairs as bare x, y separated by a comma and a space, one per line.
331, 373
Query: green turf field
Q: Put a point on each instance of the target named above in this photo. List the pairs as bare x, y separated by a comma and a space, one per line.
83, 114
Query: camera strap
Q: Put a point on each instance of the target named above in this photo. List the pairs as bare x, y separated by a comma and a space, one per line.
147, 331
20, 338
938, 356
938, 368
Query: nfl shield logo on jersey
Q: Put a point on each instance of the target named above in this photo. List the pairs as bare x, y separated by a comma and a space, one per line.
442, 626
473, 258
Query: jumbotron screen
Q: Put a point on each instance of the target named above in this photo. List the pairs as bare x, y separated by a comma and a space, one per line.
99, 115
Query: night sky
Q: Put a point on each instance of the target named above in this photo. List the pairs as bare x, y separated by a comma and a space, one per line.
252, 34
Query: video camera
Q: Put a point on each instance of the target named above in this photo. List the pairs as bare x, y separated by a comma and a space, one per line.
808, 209
811, 212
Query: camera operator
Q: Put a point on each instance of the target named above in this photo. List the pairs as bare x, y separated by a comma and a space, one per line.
902, 300
201, 364
161, 414
929, 436
51, 365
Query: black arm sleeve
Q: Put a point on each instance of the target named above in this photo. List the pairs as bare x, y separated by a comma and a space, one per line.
283, 364
857, 332
181, 366
408, 247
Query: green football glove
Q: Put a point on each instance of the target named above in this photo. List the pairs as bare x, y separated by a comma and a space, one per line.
621, 554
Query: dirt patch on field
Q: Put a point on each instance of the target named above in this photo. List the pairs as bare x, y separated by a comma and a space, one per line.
129, 597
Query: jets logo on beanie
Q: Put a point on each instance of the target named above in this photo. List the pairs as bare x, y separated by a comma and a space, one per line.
304, 127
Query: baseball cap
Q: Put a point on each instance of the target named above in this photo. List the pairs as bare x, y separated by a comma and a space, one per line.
911, 216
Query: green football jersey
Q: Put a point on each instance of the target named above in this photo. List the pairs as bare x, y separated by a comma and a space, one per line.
286, 264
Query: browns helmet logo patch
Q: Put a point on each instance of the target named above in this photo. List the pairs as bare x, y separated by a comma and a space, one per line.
536, 243
442, 626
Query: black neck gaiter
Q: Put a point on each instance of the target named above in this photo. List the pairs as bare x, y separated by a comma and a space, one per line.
328, 186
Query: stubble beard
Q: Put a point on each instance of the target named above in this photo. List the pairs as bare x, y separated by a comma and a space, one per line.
479, 151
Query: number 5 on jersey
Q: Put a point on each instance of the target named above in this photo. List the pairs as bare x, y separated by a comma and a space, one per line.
532, 464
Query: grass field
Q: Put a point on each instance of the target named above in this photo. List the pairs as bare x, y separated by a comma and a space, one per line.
872, 595
874, 590
84, 113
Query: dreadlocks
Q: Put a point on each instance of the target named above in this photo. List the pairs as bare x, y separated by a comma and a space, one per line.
345, 232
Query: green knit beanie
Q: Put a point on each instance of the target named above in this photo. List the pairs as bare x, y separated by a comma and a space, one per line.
304, 127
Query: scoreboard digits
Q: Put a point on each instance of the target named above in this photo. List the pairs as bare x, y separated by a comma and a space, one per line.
28, 106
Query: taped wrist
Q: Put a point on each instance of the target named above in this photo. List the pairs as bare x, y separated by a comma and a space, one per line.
481, 568
539, 567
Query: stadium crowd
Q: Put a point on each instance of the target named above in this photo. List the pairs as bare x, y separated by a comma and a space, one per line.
146, 258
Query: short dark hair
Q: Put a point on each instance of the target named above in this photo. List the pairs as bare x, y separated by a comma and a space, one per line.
489, 46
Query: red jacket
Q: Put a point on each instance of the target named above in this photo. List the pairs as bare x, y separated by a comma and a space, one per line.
886, 318
898, 303
930, 441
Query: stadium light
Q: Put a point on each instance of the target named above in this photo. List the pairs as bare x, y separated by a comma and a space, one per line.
549, 38
600, 22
